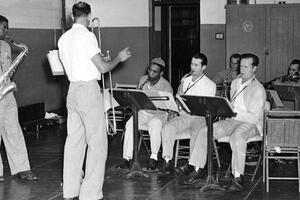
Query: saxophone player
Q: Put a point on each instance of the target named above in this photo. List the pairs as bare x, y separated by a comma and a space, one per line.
10, 129
195, 84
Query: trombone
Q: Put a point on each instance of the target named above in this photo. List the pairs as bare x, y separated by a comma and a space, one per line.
106, 58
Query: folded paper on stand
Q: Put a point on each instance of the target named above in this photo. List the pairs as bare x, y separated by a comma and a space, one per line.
162, 100
55, 63
109, 100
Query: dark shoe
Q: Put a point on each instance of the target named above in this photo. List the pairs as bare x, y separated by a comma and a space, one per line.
237, 184
27, 175
195, 176
152, 165
124, 164
166, 168
2, 178
185, 169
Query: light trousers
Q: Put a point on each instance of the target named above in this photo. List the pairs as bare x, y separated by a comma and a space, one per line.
174, 127
86, 131
152, 121
239, 133
12, 135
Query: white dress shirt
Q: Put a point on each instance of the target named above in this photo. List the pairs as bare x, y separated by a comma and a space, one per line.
76, 48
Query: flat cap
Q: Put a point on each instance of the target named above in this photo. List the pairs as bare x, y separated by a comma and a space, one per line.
158, 61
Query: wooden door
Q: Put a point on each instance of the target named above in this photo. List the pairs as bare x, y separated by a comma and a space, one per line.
245, 33
283, 39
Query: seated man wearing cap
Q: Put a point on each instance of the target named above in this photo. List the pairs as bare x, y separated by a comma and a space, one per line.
153, 120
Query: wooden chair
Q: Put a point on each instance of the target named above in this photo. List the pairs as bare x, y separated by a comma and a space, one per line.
182, 151
281, 141
122, 113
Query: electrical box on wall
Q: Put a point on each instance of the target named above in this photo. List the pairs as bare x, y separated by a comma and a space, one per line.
219, 36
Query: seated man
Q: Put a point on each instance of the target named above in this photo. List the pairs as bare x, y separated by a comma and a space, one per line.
292, 73
152, 119
195, 84
248, 99
230, 73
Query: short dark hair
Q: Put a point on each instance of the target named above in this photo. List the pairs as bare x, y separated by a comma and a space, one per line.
81, 9
295, 61
255, 60
3, 19
202, 57
235, 55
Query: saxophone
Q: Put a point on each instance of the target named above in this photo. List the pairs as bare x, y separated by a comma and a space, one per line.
6, 85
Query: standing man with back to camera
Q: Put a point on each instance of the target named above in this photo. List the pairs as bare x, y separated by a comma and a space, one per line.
80, 55
10, 130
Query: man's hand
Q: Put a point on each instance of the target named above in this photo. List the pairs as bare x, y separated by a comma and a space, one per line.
124, 54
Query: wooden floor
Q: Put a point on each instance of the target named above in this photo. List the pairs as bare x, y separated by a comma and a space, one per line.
46, 160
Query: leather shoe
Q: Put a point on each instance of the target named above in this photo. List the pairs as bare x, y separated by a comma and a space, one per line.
195, 176
2, 178
124, 164
237, 184
184, 169
27, 175
166, 168
152, 165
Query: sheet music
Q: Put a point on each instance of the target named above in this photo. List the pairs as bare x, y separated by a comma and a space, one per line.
169, 103
55, 63
109, 101
181, 100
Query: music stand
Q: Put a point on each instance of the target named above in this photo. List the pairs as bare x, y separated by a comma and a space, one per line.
289, 92
211, 108
137, 100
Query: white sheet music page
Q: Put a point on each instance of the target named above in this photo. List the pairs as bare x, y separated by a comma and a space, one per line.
182, 102
165, 100
55, 63
109, 100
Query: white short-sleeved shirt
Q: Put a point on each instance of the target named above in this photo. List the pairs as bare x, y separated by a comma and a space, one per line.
76, 48
202, 87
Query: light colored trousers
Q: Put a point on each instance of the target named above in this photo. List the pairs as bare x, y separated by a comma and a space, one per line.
12, 135
152, 121
86, 128
239, 133
174, 127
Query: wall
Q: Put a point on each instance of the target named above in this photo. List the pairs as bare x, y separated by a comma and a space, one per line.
213, 20
37, 24
119, 29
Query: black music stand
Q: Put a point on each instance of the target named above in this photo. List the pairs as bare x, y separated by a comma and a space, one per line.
211, 108
289, 92
137, 100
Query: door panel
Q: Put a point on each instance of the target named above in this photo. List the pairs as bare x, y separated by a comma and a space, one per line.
245, 33
284, 36
183, 40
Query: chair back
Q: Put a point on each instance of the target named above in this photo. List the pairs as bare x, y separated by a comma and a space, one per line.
282, 129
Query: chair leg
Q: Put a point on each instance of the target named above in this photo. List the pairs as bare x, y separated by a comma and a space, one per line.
140, 143
264, 165
267, 172
298, 159
217, 154
258, 164
228, 171
176, 152
256, 168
